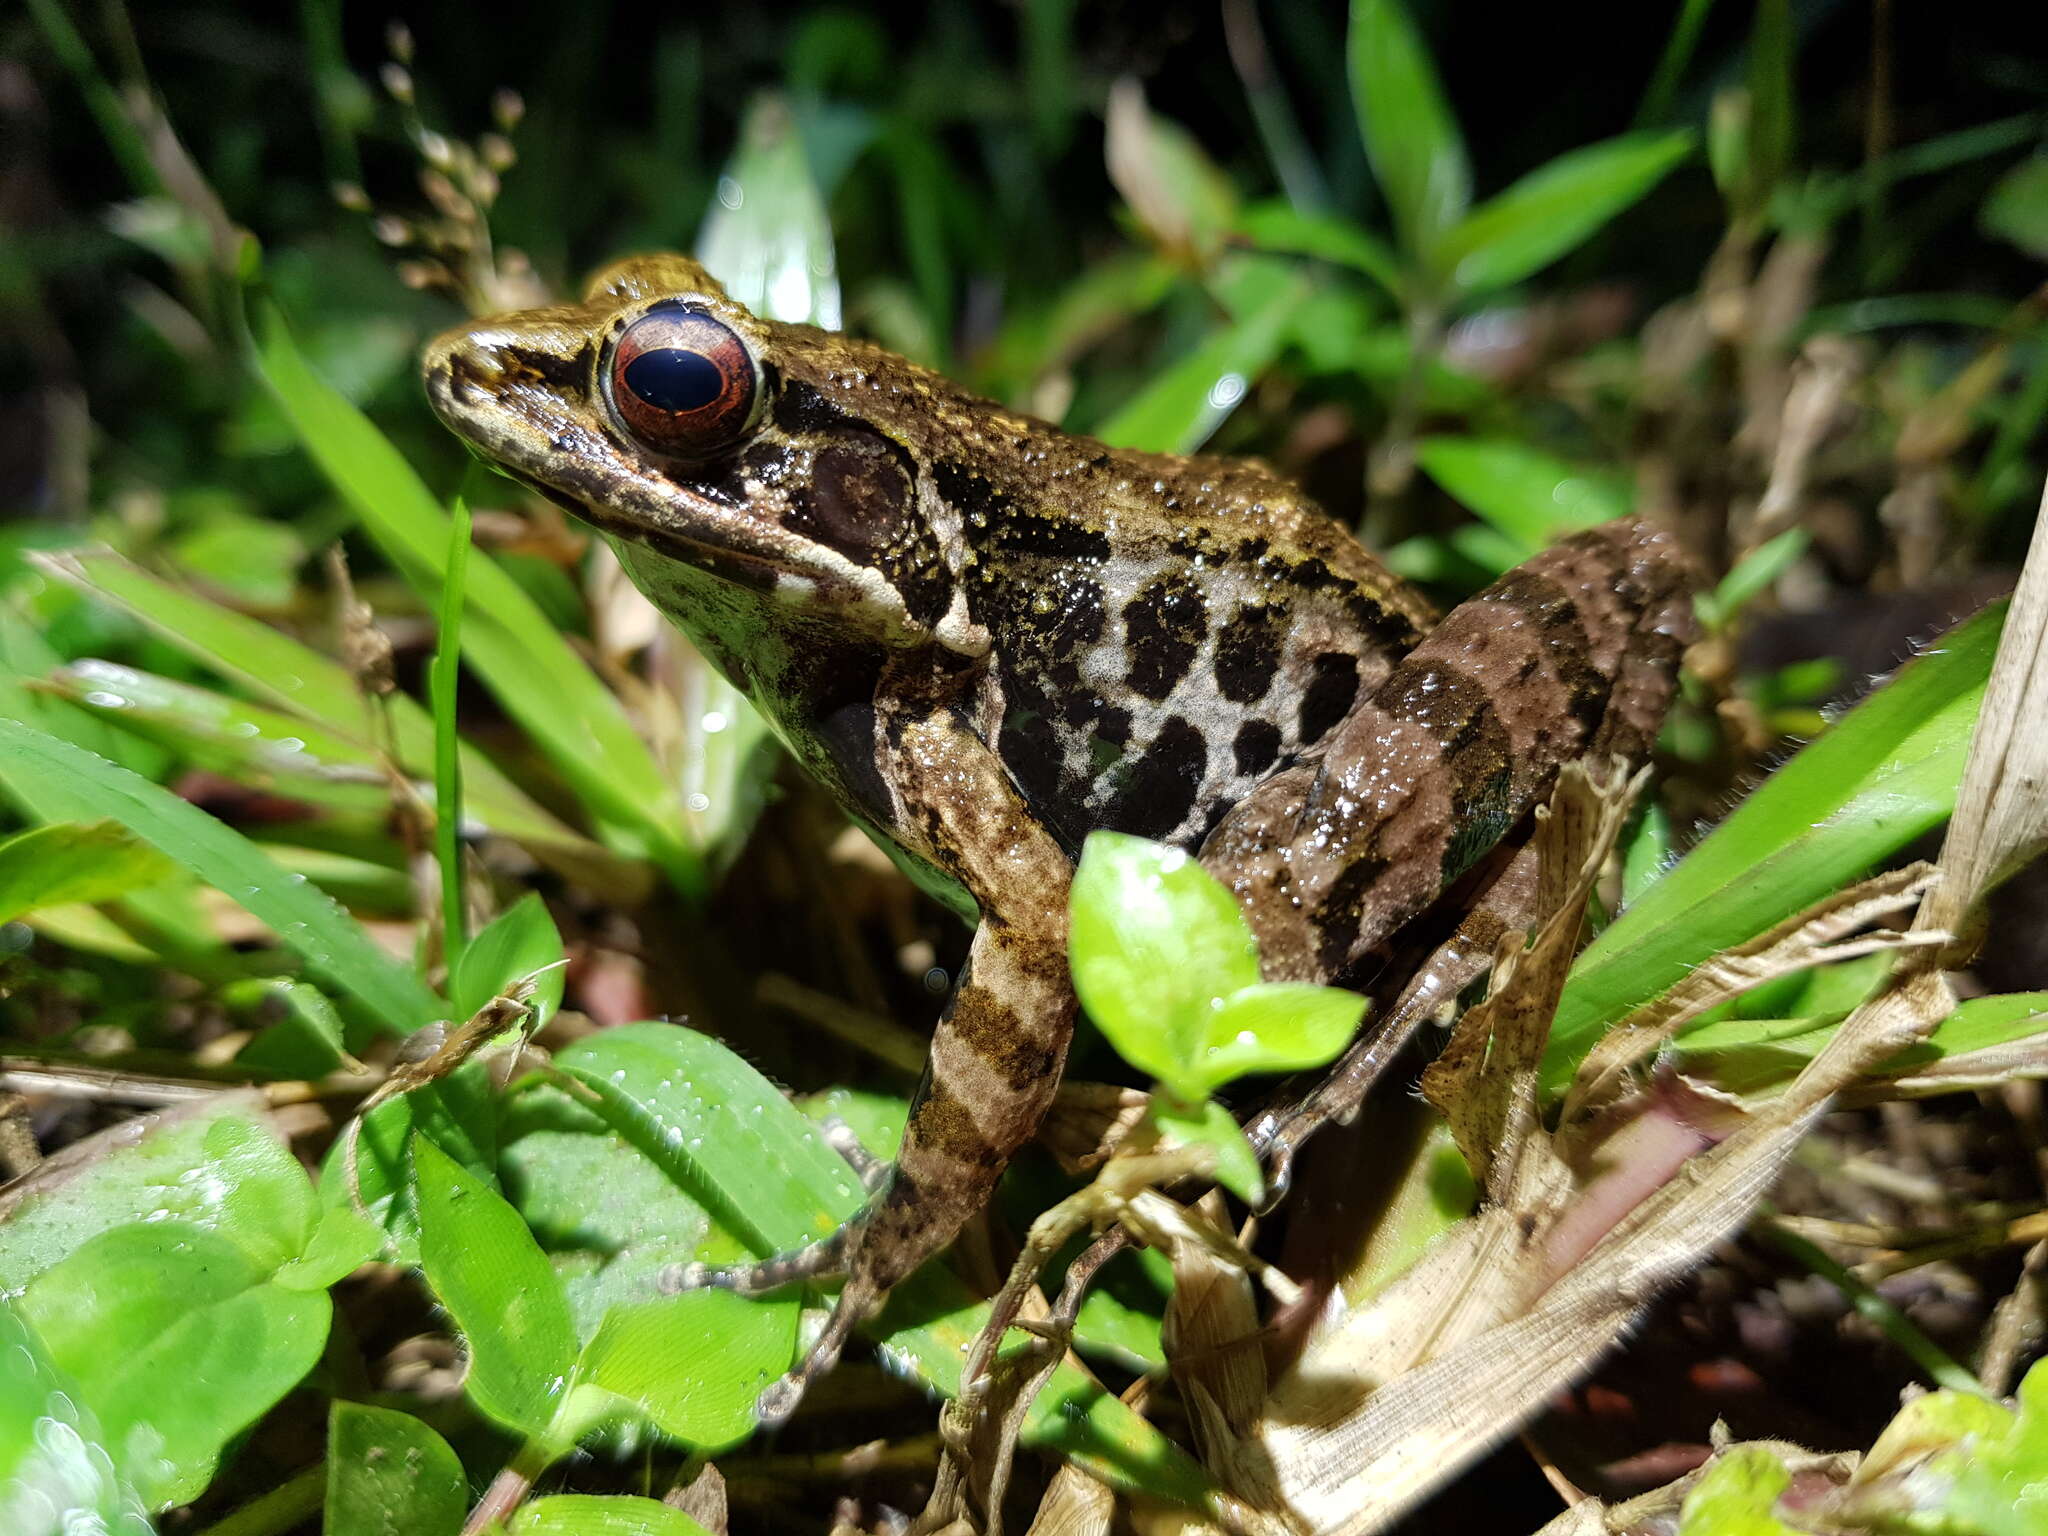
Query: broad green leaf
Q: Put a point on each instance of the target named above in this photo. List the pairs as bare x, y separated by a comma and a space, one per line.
389, 1473
520, 943
1413, 142
69, 862
529, 667
457, 1113
216, 1166
1885, 775
694, 1364
1285, 230
1554, 210
90, 788
1278, 1027
142, 1306
1737, 1496
1184, 404
489, 1273
310, 687
341, 1243
718, 1128
56, 1475
1996, 1472
1156, 944
1209, 1124
609, 1219
727, 1135
2017, 209
1525, 493
598, 1514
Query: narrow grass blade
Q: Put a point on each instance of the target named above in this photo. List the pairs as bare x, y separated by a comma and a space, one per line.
90, 788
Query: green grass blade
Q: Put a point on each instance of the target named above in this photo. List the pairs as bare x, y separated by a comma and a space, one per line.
1885, 775
442, 682
1531, 496
89, 788
534, 673
300, 680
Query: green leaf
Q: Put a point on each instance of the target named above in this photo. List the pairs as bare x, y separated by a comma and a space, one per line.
495, 1282
1187, 401
1999, 1481
457, 1113
145, 1305
1413, 142
521, 942
596, 1514
1884, 776
767, 236
1285, 230
1531, 496
90, 788
1737, 1496
1156, 944
694, 1364
387, 1472
217, 1166
57, 1477
1752, 574
2017, 209
1176, 191
720, 1129
1209, 1124
1555, 209
306, 1041
727, 1135
1278, 1027
69, 862
312, 688
577, 722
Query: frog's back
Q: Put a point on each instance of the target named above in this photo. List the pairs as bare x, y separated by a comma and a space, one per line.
1168, 631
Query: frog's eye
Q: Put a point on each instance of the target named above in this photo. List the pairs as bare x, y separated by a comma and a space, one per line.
684, 383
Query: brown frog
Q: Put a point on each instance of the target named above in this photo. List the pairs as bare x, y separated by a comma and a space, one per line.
987, 637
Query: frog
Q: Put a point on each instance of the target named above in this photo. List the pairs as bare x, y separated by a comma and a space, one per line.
986, 638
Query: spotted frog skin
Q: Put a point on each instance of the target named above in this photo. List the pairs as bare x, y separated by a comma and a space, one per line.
987, 637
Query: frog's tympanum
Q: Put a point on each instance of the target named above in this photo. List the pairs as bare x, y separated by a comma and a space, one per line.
987, 638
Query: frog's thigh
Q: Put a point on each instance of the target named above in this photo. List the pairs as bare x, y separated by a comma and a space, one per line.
1420, 780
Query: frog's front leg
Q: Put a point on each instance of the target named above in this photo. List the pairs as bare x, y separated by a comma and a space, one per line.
1572, 654
997, 1053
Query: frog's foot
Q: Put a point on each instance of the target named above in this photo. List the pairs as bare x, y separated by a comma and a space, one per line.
827, 1256
871, 1170
855, 1305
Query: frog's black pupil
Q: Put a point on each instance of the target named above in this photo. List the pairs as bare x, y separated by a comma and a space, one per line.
674, 379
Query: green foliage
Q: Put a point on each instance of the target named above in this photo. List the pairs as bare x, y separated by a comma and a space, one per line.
62, 780
1737, 1496
70, 862
386, 1471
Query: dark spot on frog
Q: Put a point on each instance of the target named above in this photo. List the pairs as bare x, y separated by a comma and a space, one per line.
1459, 715
802, 411
1340, 917
557, 372
1257, 746
1333, 685
1163, 629
1248, 653
1158, 790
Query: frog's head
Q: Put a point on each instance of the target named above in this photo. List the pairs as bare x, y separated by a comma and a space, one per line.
673, 419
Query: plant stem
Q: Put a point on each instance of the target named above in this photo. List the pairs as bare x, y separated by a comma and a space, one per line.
278, 1510
1933, 1361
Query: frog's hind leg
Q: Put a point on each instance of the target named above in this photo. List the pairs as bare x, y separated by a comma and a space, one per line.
756, 1277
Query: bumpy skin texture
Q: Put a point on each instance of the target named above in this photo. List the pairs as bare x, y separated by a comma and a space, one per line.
987, 638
